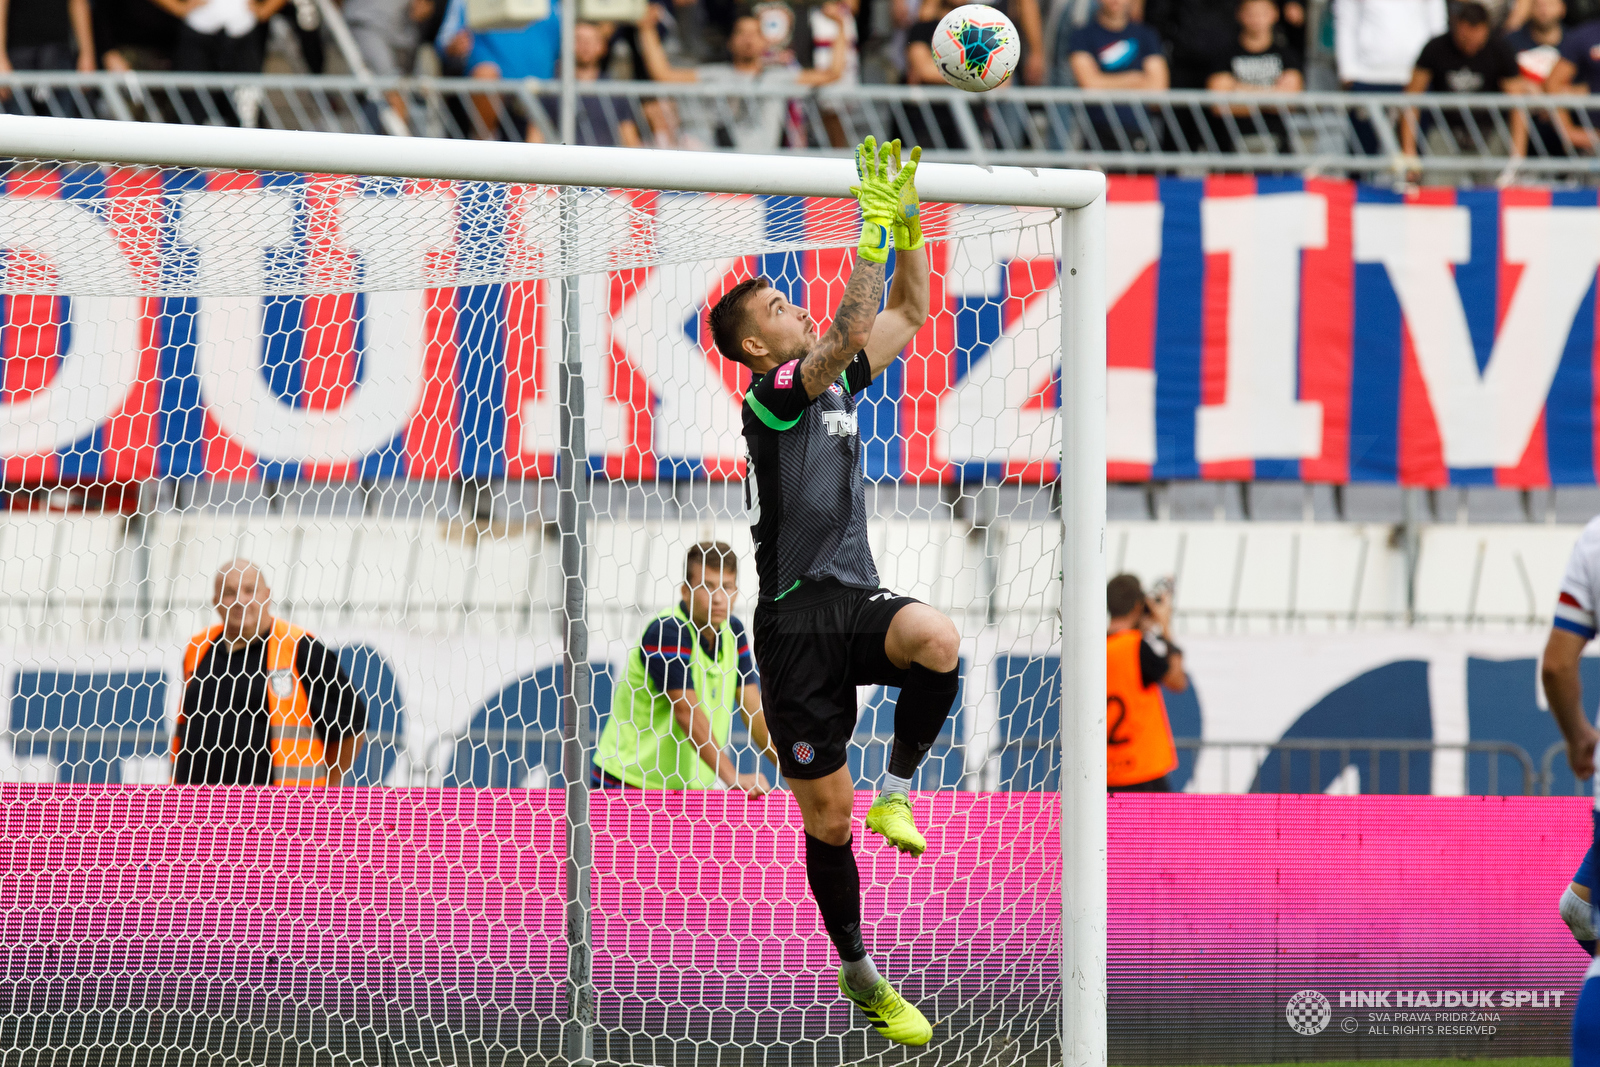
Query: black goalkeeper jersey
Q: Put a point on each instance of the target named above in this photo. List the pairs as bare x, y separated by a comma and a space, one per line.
802, 490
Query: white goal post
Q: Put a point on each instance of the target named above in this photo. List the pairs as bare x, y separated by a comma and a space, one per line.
1081, 198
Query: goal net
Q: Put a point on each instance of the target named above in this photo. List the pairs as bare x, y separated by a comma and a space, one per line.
356, 383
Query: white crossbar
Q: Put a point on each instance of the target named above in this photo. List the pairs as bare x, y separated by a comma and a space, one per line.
156, 144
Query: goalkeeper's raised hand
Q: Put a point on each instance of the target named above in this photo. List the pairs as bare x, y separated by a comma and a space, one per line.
879, 198
908, 220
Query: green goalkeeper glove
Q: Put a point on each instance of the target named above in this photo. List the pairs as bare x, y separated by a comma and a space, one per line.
879, 197
908, 223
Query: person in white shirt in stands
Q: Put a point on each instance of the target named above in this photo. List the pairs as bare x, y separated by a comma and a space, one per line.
218, 36
1377, 42
833, 26
756, 126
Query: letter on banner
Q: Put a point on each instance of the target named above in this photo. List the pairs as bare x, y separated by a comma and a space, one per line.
605, 219
1485, 420
392, 235
1133, 242
101, 362
986, 417
1260, 417
698, 417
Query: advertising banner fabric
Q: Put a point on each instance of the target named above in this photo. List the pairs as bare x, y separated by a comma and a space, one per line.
1260, 328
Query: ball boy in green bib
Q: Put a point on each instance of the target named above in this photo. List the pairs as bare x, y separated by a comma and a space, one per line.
672, 710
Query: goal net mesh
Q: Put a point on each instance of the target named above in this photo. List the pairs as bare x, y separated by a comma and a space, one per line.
352, 382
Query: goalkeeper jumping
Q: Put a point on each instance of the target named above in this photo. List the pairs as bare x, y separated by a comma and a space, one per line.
823, 625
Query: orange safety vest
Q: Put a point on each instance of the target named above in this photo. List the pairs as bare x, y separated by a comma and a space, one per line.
1139, 744
297, 757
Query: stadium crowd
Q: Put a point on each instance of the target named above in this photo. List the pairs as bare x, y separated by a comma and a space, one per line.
1259, 46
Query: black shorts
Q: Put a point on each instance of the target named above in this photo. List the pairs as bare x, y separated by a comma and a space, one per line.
812, 655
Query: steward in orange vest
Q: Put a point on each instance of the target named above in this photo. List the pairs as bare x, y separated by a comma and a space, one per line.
1139, 662
264, 702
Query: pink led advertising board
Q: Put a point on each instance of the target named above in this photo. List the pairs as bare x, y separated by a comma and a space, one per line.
372, 923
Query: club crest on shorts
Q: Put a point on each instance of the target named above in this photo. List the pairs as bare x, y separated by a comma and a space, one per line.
281, 682
803, 753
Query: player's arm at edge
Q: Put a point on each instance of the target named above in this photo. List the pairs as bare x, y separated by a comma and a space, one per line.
1563, 687
848, 333
696, 726
907, 307
903, 313
853, 324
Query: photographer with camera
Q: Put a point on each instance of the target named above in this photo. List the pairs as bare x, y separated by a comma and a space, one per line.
1140, 660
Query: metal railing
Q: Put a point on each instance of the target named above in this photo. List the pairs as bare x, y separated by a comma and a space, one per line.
516, 744
1378, 771
1581, 787
1372, 749
1457, 137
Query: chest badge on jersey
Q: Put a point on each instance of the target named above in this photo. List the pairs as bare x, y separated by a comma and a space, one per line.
281, 683
836, 389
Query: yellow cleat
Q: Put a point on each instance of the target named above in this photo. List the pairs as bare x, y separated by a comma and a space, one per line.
888, 1012
890, 816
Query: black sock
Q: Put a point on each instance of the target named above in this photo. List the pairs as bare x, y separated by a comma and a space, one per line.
836, 885
919, 715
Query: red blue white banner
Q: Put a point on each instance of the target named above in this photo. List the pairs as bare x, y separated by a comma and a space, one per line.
1280, 328
1259, 328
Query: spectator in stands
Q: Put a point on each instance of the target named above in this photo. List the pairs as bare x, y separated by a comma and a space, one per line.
1260, 60
1141, 660
904, 14
135, 35
46, 35
606, 121
304, 20
1376, 42
531, 52
1467, 59
672, 711
942, 131
1507, 16
1113, 50
387, 33
1197, 31
1537, 47
748, 125
831, 29
264, 702
1578, 70
218, 36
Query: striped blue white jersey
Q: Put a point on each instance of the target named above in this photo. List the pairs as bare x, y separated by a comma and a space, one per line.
1580, 586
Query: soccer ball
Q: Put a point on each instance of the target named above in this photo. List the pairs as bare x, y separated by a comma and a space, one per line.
976, 48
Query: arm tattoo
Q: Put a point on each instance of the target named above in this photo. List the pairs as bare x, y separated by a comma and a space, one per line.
857, 308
